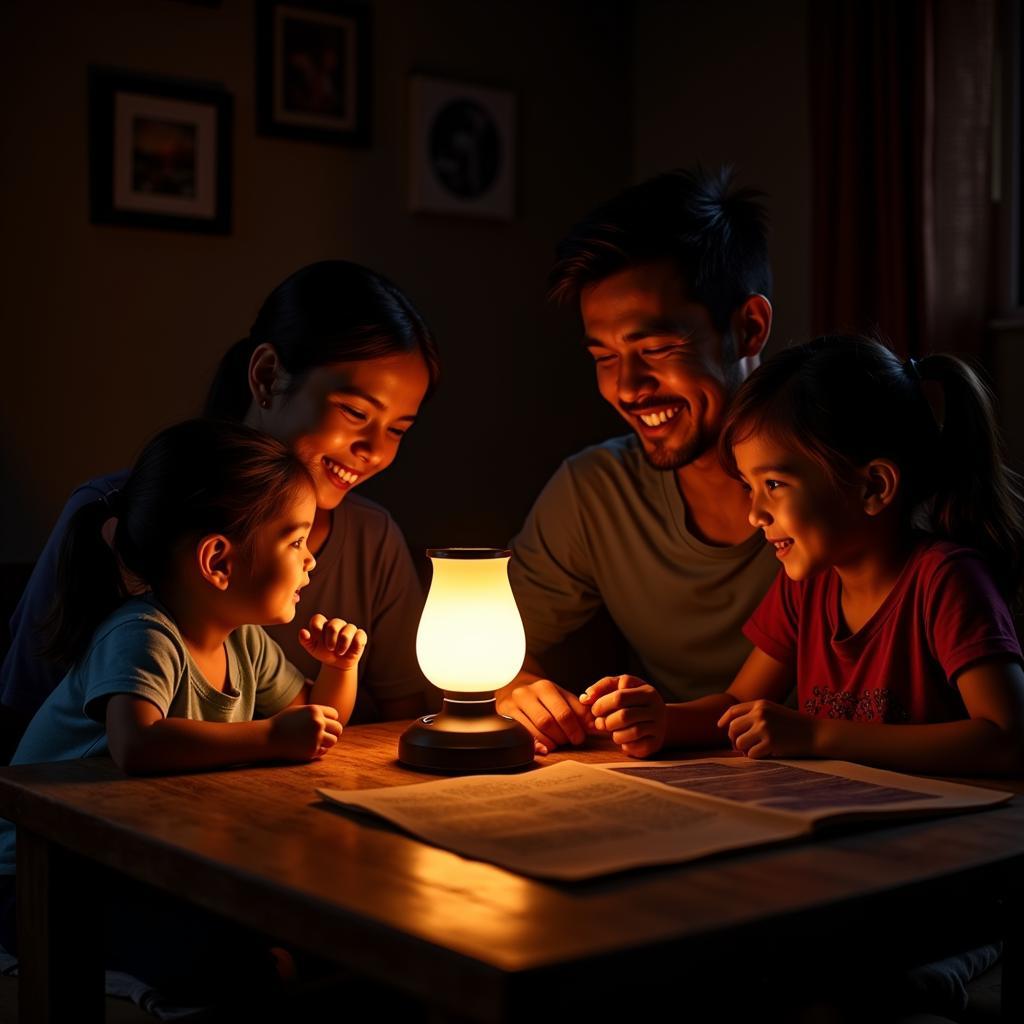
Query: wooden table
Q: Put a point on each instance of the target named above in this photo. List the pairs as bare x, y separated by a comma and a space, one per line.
259, 846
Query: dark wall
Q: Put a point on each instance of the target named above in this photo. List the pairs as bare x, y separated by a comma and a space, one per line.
112, 332
727, 83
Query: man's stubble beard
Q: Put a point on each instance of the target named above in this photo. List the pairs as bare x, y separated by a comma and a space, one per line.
665, 458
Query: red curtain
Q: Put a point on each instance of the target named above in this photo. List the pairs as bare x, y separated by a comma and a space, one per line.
901, 101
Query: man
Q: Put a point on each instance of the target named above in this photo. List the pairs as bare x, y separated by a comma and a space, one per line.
672, 279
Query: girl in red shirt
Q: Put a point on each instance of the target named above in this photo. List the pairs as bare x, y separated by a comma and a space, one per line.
900, 534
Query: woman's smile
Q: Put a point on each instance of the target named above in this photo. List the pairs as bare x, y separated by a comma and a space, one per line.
339, 474
347, 420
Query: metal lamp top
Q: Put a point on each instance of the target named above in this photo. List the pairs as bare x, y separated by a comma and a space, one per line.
468, 553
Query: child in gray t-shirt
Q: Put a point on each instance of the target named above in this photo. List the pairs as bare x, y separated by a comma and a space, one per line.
159, 587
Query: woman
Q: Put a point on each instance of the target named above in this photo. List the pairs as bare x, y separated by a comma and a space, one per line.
336, 365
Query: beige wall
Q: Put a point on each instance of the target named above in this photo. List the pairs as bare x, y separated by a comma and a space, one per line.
110, 333
727, 83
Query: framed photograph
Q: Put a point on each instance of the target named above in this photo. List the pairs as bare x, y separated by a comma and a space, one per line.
313, 70
159, 152
463, 148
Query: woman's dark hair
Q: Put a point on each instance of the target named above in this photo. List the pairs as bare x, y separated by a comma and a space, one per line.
329, 312
193, 479
713, 232
844, 401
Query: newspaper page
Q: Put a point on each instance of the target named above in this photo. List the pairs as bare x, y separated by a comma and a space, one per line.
572, 821
568, 821
813, 791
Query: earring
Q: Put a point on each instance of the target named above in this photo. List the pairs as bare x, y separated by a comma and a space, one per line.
265, 403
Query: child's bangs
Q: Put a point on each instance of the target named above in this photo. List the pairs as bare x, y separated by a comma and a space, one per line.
773, 420
781, 421
279, 488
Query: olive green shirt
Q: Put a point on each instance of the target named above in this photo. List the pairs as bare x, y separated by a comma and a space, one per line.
609, 529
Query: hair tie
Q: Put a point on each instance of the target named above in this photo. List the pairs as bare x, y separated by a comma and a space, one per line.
936, 414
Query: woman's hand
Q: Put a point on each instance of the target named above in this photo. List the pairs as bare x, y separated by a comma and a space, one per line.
304, 732
762, 728
631, 710
335, 642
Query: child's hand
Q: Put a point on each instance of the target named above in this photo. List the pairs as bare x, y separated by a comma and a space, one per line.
762, 728
304, 732
631, 710
335, 642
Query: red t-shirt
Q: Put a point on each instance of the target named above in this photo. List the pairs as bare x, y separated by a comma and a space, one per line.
943, 615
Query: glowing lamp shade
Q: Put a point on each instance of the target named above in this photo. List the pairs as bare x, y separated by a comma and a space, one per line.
470, 643
471, 637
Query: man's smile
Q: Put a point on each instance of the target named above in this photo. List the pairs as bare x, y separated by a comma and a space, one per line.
653, 419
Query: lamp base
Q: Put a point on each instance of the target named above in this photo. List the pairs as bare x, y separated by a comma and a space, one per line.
466, 736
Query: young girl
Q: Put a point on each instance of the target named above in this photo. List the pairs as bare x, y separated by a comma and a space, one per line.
211, 537
900, 536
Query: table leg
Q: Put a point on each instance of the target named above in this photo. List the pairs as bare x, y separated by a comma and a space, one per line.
60, 930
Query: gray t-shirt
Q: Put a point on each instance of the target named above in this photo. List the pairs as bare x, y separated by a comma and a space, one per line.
363, 574
138, 650
609, 529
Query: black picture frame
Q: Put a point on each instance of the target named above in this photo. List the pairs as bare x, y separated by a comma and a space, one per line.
462, 147
159, 152
313, 77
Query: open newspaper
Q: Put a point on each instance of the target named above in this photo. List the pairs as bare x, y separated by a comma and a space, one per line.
572, 821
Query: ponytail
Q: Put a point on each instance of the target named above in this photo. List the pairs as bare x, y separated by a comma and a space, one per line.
229, 395
89, 585
198, 478
978, 499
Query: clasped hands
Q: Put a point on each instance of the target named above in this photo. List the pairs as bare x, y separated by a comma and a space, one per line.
636, 717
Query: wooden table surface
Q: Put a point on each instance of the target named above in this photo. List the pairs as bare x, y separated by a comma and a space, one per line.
259, 845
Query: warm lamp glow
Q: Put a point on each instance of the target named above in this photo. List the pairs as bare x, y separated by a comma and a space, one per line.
471, 637
470, 644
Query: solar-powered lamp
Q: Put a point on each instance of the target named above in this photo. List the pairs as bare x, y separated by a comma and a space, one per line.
470, 643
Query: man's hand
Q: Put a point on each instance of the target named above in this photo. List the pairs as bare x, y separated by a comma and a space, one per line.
631, 710
762, 728
554, 716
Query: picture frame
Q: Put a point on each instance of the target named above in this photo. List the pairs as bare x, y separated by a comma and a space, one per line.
462, 148
313, 77
159, 152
